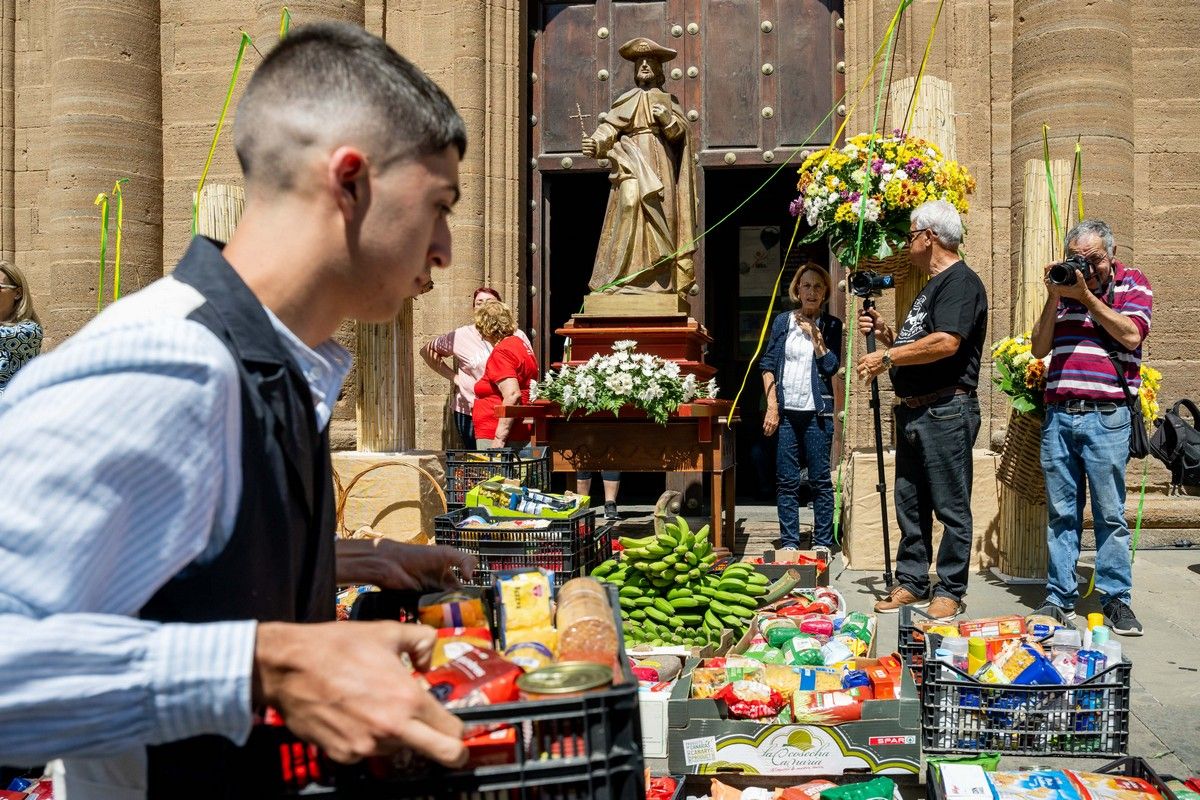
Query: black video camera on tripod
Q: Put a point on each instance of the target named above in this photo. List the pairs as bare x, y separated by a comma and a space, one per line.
868, 285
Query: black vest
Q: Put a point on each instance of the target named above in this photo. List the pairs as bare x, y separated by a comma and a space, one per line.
279, 564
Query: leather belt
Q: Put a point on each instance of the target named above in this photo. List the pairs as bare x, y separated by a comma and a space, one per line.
1086, 406
920, 400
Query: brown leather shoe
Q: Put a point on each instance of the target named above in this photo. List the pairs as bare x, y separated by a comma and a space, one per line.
944, 608
900, 596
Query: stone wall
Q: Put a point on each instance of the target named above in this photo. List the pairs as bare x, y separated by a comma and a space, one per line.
1124, 75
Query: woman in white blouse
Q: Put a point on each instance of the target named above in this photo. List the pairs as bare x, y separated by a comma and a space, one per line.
797, 370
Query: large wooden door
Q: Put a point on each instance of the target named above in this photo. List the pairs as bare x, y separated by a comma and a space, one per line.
756, 77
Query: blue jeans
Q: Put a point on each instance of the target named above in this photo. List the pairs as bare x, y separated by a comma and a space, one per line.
804, 435
466, 429
1078, 451
934, 476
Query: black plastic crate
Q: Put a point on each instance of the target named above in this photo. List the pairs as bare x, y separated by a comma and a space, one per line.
962, 715
910, 639
570, 547
579, 747
1128, 767
465, 468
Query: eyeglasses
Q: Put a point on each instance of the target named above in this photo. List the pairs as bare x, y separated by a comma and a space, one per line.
913, 234
9, 286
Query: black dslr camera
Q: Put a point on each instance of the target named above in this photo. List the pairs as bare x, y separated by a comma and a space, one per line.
866, 283
1063, 274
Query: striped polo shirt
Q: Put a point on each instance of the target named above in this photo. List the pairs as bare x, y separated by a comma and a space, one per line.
1079, 365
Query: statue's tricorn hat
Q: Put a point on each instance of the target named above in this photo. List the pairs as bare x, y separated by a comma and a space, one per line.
642, 47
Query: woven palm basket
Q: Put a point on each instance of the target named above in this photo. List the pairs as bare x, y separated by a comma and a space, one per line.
1020, 466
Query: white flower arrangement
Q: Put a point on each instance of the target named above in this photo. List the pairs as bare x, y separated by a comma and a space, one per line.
623, 378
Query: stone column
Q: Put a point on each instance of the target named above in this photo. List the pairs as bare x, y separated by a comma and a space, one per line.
8, 85
473, 50
105, 124
1073, 69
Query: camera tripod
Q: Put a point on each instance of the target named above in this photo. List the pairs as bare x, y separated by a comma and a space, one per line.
881, 486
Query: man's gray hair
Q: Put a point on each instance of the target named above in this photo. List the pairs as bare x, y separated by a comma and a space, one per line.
330, 84
1090, 227
942, 219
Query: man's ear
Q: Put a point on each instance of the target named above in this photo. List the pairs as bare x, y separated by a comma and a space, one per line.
347, 176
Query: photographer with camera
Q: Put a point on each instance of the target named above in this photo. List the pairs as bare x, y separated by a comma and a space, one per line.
1095, 306
934, 365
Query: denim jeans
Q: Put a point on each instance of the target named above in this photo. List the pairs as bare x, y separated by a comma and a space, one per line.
804, 439
465, 425
933, 476
1081, 451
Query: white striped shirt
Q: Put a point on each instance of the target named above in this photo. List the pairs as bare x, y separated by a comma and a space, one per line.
123, 457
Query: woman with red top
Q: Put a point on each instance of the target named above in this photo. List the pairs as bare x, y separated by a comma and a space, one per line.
506, 378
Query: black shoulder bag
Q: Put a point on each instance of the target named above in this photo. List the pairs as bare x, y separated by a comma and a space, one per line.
1139, 440
1177, 444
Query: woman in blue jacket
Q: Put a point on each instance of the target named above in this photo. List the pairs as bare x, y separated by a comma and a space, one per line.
797, 370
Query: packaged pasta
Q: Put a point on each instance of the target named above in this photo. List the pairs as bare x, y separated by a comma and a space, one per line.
524, 602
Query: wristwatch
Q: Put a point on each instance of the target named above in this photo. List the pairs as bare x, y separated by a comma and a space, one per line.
887, 359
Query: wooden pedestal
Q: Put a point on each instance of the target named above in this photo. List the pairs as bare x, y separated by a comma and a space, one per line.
679, 339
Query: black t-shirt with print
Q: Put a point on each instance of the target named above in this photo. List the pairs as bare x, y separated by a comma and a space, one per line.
954, 301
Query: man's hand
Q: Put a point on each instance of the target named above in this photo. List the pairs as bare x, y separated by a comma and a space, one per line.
771, 420
870, 365
660, 113
869, 321
1076, 291
589, 147
343, 687
393, 565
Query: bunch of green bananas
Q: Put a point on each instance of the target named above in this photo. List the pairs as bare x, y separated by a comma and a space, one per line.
668, 595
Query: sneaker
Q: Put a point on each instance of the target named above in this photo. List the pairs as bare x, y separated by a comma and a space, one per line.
1055, 610
610, 511
944, 608
1120, 618
900, 596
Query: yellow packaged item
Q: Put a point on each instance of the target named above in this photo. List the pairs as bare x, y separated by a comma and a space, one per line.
524, 600
546, 636
530, 655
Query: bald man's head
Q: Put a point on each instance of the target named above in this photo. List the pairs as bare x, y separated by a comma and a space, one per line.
332, 84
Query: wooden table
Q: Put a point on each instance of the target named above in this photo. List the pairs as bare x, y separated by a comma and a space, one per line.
696, 438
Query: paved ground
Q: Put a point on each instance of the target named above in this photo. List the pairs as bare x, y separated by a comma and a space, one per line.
1165, 728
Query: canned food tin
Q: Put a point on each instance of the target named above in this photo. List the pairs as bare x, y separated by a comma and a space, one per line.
567, 679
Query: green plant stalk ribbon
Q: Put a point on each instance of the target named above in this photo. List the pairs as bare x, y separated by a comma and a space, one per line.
102, 201
285, 23
237, 68
119, 194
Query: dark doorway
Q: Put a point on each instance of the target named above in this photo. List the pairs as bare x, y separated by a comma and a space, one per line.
743, 254
573, 211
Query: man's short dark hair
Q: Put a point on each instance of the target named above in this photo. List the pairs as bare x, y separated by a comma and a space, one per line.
334, 80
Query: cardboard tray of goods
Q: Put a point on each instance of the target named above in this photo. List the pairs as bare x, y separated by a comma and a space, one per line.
886, 740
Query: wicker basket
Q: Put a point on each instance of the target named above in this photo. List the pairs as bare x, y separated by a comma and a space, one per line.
1020, 466
896, 264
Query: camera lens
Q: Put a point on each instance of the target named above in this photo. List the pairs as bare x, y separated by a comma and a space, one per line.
1062, 275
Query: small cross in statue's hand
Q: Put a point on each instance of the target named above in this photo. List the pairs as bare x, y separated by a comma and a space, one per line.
579, 115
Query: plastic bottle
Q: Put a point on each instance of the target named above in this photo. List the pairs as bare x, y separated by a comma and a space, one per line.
976, 654
1100, 635
958, 653
1094, 621
1112, 652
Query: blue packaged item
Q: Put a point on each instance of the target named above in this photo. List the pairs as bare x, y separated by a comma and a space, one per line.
20, 784
855, 677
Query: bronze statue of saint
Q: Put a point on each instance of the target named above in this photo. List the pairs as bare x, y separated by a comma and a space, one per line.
650, 222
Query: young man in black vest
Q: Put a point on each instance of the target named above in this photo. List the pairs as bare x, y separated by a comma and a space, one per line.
170, 558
